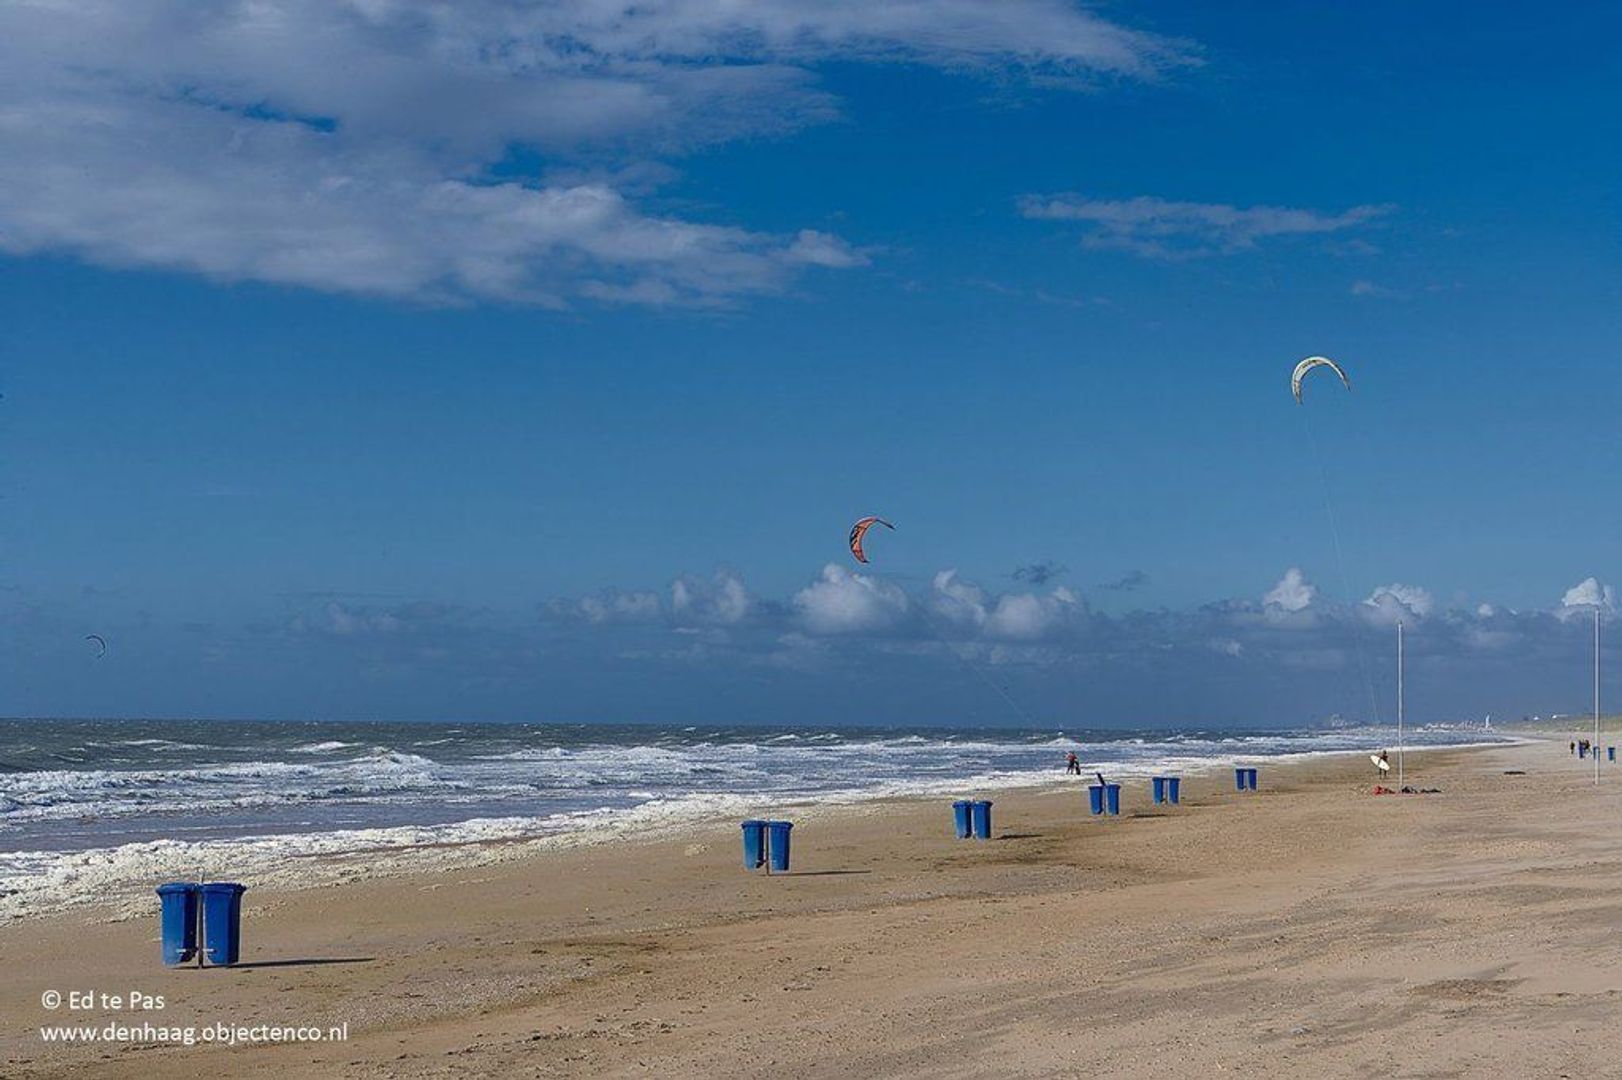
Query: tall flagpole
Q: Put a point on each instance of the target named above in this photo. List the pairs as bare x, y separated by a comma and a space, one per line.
1399, 704
1596, 695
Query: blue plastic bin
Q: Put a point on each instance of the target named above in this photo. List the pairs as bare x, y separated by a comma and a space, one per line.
179, 899
980, 810
754, 845
778, 831
1174, 785
1239, 779
1610, 753
1159, 784
1112, 794
960, 818
1250, 779
1095, 798
222, 921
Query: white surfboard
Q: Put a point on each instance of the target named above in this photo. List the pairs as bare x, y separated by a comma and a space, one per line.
1380, 763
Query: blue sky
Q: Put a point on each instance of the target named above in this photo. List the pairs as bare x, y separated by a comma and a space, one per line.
523, 362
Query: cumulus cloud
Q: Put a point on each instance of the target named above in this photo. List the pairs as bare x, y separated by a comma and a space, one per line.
1292, 593
723, 599
377, 148
842, 602
1388, 603
848, 617
1587, 595
1015, 616
1294, 649
1163, 228
1027, 617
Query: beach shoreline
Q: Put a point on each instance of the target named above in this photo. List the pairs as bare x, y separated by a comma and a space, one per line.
114, 883
1310, 928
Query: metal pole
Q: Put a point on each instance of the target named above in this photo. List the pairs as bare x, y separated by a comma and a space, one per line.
1596, 695
1399, 705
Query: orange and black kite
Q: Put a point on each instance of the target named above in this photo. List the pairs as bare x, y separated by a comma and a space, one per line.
859, 530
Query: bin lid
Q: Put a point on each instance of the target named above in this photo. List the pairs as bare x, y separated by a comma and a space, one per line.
171, 887
223, 887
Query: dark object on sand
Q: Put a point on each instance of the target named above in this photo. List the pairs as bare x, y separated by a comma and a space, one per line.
1514, 772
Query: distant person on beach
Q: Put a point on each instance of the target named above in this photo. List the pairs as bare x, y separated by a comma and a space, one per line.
1072, 765
1574, 748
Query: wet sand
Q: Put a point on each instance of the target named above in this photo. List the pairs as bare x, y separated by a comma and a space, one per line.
1311, 929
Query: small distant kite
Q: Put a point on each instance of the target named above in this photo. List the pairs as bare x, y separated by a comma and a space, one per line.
99, 642
1307, 365
859, 530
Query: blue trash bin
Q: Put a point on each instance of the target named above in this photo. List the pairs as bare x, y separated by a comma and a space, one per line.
1174, 785
179, 899
1095, 798
960, 818
754, 845
1239, 779
1159, 783
1250, 779
1112, 793
778, 831
1610, 753
981, 812
222, 921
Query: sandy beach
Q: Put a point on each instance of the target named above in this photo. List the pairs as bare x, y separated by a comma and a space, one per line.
1310, 929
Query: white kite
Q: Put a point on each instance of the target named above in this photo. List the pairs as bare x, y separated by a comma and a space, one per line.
1307, 365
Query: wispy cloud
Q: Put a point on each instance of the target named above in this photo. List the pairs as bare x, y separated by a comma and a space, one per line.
1128, 582
1162, 228
370, 148
1372, 291
1038, 573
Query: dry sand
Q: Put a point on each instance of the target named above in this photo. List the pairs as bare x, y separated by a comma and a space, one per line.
1308, 930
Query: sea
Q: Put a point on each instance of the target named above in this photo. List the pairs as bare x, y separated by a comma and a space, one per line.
103, 810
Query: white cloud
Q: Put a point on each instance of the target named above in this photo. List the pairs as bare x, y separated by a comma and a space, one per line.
612, 606
841, 602
723, 599
1016, 616
1587, 595
376, 146
1026, 617
1388, 603
1157, 227
958, 601
1292, 593
359, 621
